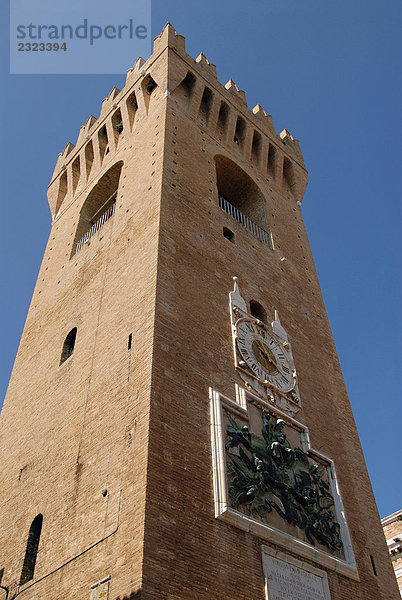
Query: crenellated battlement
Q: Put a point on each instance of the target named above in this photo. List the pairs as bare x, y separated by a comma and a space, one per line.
226, 115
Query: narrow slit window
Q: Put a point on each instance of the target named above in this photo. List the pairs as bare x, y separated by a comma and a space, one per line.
117, 123
68, 346
62, 191
31, 552
239, 132
76, 168
288, 174
89, 157
206, 103
223, 117
103, 142
255, 150
132, 107
373, 565
130, 341
271, 160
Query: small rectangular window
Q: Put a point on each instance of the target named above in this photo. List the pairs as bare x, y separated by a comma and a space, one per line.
228, 234
130, 340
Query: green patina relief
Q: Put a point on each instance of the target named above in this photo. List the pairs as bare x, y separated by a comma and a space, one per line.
265, 473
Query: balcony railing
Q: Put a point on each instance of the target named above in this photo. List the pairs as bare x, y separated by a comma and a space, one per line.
244, 220
95, 227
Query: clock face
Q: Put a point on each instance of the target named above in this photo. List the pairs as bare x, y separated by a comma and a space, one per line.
265, 356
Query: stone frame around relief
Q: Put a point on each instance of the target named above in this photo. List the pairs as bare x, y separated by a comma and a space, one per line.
225, 512
269, 555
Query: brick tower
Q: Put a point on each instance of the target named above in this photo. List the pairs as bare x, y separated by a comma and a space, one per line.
176, 425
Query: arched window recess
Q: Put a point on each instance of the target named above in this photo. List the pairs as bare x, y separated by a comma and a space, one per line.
98, 208
31, 552
258, 311
241, 198
68, 346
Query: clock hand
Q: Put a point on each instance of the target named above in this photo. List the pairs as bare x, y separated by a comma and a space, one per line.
259, 342
265, 355
261, 347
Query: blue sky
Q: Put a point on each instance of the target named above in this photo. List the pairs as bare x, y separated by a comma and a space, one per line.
328, 72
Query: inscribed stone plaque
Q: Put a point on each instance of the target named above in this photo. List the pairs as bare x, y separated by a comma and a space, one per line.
286, 581
100, 591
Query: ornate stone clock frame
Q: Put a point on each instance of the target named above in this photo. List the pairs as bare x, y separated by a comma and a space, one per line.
288, 401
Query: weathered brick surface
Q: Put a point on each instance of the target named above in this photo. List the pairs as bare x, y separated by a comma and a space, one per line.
137, 422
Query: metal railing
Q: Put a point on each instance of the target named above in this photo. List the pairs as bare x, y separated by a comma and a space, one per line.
95, 227
244, 220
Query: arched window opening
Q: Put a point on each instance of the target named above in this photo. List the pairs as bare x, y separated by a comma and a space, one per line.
62, 191
258, 311
103, 142
271, 160
206, 103
239, 132
68, 346
223, 118
132, 107
76, 168
89, 157
117, 124
98, 207
28, 567
241, 198
255, 149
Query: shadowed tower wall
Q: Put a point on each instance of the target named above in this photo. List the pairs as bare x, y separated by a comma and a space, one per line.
109, 435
